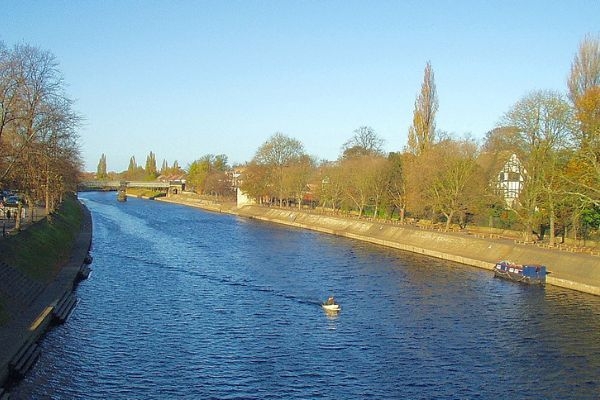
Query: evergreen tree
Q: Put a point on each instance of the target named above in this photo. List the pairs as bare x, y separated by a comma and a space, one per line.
151, 166
131, 170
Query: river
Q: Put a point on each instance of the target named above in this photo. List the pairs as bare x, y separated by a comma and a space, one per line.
188, 304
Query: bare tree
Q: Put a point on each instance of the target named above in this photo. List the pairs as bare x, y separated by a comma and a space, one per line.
40, 154
364, 142
364, 182
585, 68
296, 178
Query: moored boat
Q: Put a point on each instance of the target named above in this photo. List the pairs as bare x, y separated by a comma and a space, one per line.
526, 273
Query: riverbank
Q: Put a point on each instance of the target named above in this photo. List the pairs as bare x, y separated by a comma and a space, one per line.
30, 310
576, 271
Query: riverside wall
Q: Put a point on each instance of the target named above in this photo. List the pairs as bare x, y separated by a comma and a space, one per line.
575, 271
31, 323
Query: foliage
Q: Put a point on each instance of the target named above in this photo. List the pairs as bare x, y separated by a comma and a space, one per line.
101, 173
151, 171
255, 181
134, 172
207, 175
591, 217
396, 185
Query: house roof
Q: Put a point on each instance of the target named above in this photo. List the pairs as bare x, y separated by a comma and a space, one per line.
493, 163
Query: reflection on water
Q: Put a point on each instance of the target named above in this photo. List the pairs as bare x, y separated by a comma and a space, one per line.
189, 304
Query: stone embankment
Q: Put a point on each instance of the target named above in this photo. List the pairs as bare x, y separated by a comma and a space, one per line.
570, 270
577, 271
33, 311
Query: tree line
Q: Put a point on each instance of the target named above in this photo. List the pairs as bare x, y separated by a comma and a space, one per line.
136, 172
39, 150
552, 138
556, 139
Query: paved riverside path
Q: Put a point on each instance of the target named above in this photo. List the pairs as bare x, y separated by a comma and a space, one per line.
7, 225
31, 322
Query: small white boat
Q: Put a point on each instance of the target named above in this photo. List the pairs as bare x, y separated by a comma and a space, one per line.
331, 307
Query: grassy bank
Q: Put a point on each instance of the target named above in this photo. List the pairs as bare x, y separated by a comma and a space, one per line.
43, 247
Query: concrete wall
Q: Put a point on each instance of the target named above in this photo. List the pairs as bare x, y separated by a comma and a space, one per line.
571, 270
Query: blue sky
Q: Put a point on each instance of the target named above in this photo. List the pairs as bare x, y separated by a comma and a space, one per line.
189, 78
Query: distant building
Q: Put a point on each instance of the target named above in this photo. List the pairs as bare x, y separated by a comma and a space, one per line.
236, 177
506, 174
511, 180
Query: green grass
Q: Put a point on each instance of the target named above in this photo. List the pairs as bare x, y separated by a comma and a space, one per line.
40, 249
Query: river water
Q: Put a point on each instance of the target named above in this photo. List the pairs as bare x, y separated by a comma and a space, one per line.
188, 304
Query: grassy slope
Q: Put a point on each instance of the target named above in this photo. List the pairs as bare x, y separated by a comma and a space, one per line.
43, 247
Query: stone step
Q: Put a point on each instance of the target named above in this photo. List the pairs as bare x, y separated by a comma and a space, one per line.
22, 362
84, 272
65, 307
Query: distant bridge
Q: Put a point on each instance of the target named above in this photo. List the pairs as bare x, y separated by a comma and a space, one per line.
172, 187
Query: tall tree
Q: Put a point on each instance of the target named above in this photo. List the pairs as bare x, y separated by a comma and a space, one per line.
132, 169
585, 68
151, 171
584, 92
421, 134
10, 84
101, 170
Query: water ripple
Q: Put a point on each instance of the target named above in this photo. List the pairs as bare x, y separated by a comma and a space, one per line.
188, 304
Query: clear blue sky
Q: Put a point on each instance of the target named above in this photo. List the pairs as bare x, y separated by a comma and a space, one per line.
188, 78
